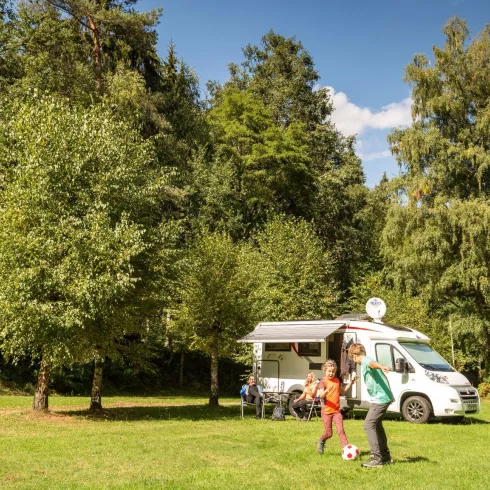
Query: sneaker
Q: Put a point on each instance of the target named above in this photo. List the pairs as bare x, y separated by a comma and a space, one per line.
373, 463
320, 447
384, 462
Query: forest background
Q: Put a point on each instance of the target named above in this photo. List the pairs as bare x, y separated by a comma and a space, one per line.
145, 228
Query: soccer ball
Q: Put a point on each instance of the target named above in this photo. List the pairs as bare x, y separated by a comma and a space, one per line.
350, 452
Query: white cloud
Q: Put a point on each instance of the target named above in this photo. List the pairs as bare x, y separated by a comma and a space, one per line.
377, 155
351, 119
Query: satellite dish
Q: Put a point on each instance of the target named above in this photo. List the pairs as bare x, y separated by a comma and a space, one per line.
376, 309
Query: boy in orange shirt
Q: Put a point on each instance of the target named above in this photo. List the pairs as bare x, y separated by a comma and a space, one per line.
329, 390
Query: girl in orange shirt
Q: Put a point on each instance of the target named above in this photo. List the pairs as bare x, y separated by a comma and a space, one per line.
329, 391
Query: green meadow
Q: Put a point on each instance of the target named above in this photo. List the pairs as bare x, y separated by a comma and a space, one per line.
176, 442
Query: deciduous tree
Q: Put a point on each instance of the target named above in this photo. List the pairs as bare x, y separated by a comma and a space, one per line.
212, 306
77, 192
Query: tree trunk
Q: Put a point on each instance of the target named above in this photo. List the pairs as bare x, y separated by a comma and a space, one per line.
181, 370
97, 53
214, 397
96, 398
41, 396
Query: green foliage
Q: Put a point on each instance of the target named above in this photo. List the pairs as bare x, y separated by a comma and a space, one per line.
213, 297
436, 237
329, 188
114, 31
281, 73
9, 64
294, 276
404, 309
372, 219
50, 54
484, 389
179, 97
69, 47
257, 168
77, 192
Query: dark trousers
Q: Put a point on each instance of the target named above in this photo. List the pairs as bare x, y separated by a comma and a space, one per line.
373, 426
300, 408
258, 404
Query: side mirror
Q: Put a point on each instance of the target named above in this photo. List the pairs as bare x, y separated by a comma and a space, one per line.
401, 366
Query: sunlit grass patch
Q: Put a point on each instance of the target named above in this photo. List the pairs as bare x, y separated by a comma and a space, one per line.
133, 446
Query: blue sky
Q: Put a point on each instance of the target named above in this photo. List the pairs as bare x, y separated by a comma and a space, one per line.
360, 50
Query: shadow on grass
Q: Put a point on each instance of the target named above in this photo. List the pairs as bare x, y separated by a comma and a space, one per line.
185, 412
412, 459
465, 421
210, 412
361, 415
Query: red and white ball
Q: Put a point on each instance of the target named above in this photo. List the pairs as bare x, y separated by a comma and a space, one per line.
350, 452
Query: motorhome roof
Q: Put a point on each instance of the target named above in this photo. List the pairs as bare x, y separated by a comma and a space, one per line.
295, 331
318, 330
375, 330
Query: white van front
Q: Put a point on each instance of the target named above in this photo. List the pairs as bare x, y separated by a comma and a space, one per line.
427, 375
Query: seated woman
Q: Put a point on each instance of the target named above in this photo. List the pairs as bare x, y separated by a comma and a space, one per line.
307, 396
253, 395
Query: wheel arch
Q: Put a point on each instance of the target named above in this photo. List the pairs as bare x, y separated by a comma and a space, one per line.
408, 394
297, 388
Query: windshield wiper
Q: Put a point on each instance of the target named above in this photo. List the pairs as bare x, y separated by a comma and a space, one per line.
437, 368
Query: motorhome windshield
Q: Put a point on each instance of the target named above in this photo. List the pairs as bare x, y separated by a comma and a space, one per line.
427, 358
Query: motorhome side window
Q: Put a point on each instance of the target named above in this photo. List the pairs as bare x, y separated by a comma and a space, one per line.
277, 347
309, 348
387, 355
383, 355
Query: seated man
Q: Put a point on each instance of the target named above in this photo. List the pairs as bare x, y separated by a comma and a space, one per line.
253, 394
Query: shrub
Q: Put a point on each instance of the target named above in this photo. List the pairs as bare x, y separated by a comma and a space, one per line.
484, 389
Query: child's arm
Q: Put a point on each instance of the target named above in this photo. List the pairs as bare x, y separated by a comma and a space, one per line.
322, 392
377, 365
346, 387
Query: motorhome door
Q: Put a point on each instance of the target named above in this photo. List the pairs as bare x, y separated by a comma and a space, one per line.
338, 345
348, 368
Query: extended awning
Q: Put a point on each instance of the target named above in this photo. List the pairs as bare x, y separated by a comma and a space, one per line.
297, 331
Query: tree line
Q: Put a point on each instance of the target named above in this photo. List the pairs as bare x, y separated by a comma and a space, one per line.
137, 214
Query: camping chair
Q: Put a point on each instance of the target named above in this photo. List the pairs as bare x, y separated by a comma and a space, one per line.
315, 405
243, 402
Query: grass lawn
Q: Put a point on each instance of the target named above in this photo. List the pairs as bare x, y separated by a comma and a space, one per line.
172, 442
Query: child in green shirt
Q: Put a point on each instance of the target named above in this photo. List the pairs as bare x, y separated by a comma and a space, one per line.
381, 398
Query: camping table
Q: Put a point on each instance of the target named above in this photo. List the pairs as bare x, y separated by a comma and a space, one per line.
278, 397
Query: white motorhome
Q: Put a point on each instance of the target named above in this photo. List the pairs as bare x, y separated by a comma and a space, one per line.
423, 383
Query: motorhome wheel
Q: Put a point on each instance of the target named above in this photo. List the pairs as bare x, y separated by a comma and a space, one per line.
416, 409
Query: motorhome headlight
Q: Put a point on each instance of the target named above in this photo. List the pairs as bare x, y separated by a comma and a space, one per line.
438, 378
454, 400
